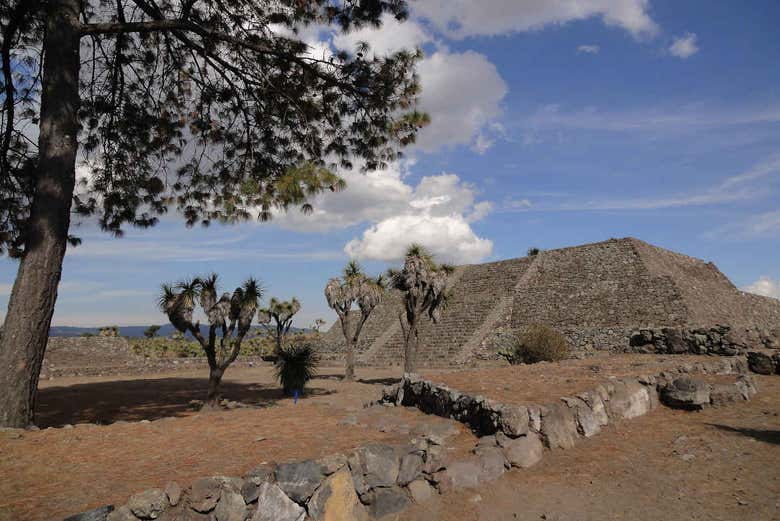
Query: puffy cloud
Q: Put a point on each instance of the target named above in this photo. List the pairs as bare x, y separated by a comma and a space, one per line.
764, 286
588, 49
438, 213
684, 46
464, 18
450, 238
462, 93
369, 197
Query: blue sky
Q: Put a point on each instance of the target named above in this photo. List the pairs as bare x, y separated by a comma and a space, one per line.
553, 124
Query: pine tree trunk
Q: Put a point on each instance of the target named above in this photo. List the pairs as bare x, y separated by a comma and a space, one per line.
31, 306
215, 381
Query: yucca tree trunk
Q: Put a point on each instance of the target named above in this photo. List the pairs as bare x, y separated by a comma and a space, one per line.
215, 382
349, 368
34, 294
410, 349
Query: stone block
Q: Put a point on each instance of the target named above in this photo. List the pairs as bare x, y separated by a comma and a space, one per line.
231, 507
97, 514
686, 393
420, 490
760, 363
274, 505
410, 468
299, 480
629, 399
523, 452
336, 500
148, 504
373, 466
173, 491
513, 419
587, 423
559, 428
204, 494
387, 500
492, 462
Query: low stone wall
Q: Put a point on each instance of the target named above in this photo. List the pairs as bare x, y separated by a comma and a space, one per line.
379, 480
717, 340
559, 423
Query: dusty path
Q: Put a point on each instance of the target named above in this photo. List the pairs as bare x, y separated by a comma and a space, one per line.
716, 465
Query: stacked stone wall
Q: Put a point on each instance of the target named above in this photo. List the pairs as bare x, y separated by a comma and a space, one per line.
600, 285
708, 295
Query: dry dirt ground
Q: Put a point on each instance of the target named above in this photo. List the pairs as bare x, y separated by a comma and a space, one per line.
55, 472
720, 464
546, 382
669, 465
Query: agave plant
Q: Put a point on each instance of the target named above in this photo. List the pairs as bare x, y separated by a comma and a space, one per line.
423, 283
296, 365
354, 287
229, 315
282, 313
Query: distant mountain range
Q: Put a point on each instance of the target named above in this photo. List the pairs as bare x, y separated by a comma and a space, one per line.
130, 331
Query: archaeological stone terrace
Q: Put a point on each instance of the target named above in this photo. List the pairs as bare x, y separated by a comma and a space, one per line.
600, 296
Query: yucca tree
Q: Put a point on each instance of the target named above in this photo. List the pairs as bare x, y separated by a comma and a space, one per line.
423, 283
354, 287
231, 315
282, 313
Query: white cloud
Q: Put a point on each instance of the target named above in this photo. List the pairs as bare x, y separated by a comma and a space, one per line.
588, 49
692, 117
753, 183
5, 289
369, 197
391, 37
762, 225
462, 93
518, 204
684, 46
438, 212
450, 238
464, 18
764, 286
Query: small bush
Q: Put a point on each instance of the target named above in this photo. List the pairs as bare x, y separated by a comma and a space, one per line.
539, 343
296, 365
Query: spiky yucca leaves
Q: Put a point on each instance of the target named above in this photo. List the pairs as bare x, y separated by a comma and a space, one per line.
282, 313
178, 302
354, 287
295, 366
423, 283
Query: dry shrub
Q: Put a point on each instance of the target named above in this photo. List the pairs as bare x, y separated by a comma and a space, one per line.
538, 343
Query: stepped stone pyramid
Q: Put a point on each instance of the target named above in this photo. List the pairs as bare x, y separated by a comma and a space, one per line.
595, 294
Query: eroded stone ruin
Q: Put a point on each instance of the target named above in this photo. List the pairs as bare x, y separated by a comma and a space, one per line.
601, 296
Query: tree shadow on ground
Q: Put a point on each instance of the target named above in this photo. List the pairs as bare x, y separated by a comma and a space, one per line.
765, 435
144, 399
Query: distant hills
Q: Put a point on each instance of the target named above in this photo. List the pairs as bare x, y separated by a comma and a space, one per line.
129, 331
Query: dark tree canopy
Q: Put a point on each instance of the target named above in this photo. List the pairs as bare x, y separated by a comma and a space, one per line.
213, 107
